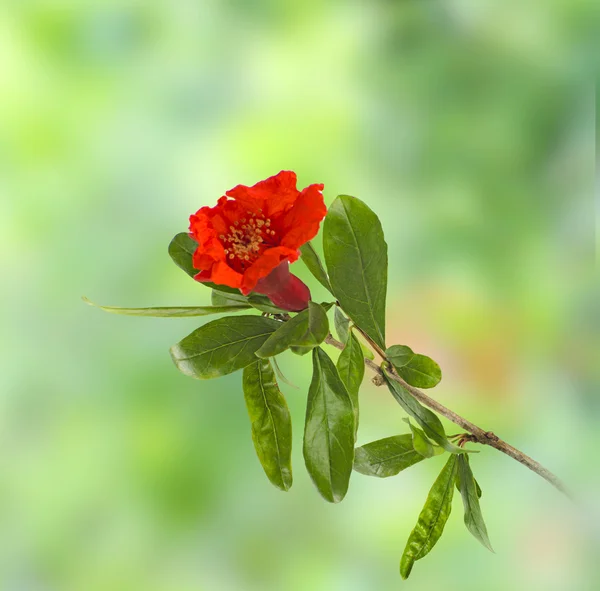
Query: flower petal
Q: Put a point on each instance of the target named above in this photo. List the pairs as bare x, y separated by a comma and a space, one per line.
301, 223
221, 274
264, 265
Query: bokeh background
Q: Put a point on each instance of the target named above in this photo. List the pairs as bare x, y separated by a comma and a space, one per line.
467, 125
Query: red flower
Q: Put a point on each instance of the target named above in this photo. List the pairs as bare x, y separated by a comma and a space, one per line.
242, 240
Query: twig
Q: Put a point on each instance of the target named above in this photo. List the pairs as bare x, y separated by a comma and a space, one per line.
478, 435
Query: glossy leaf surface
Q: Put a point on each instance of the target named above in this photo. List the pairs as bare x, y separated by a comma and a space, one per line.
421, 442
329, 430
386, 457
305, 330
351, 367
356, 256
468, 490
342, 325
271, 422
315, 266
222, 346
417, 370
432, 519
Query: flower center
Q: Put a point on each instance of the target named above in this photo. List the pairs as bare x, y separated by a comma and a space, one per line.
246, 237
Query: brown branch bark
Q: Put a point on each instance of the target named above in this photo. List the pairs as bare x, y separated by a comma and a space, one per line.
478, 435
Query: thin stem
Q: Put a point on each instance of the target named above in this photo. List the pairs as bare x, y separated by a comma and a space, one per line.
477, 433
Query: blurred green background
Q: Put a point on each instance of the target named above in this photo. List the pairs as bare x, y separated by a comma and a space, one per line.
467, 125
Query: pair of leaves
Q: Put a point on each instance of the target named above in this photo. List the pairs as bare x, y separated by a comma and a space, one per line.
304, 331
417, 370
356, 257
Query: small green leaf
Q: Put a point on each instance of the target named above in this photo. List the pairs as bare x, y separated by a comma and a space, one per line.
271, 422
281, 376
417, 370
315, 266
329, 430
421, 443
386, 457
458, 485
356, 256
309, 328
181, 250
165, 312
432, 519
351, 367
222, 346
342, 325
468, 490
428, 421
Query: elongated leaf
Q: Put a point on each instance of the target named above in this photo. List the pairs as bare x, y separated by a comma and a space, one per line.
468, 490
313, 262
418, 370
458, 485
329, 430
342, 325
432, 519
305, 330
222, 346
429, 422
421, 443
356, 257
259, 302
166, 312
386, 457
271, 422
351, 367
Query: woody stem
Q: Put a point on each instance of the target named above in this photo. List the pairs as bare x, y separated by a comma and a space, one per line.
477, 433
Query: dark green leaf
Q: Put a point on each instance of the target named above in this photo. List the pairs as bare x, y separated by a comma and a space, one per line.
386, 457
428, 421
458, 485
313, 262
432, 519
468, 490
222, 346
181, 250
307, 329
356, 257
301, 350
260, 302
342, 325
329, 430
351, 367
417, 370
271, 422
165, 312
421, 442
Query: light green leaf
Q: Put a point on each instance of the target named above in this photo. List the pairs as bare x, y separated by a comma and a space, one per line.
432, 519
166, 312
342, 325
468, 490
429, 422
309, 328
351, 367
356, 257
386, 457
222, 346
421, 443
329, 430
271, 422
417, 370
313, 262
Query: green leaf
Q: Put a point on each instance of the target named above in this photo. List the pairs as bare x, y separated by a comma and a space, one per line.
342, 325
271, 422
429, 422
386, 457
458, 485
432, 519
313, 262
351, 367
356, 257
307, 329
165, 312
417, 370
329, 430
421, 443
181, 250
468, 490
264, 304
222, 346
259, 302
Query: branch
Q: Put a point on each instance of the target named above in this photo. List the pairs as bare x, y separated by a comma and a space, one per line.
478, 435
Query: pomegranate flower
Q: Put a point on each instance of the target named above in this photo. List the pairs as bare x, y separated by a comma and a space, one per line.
248, 241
